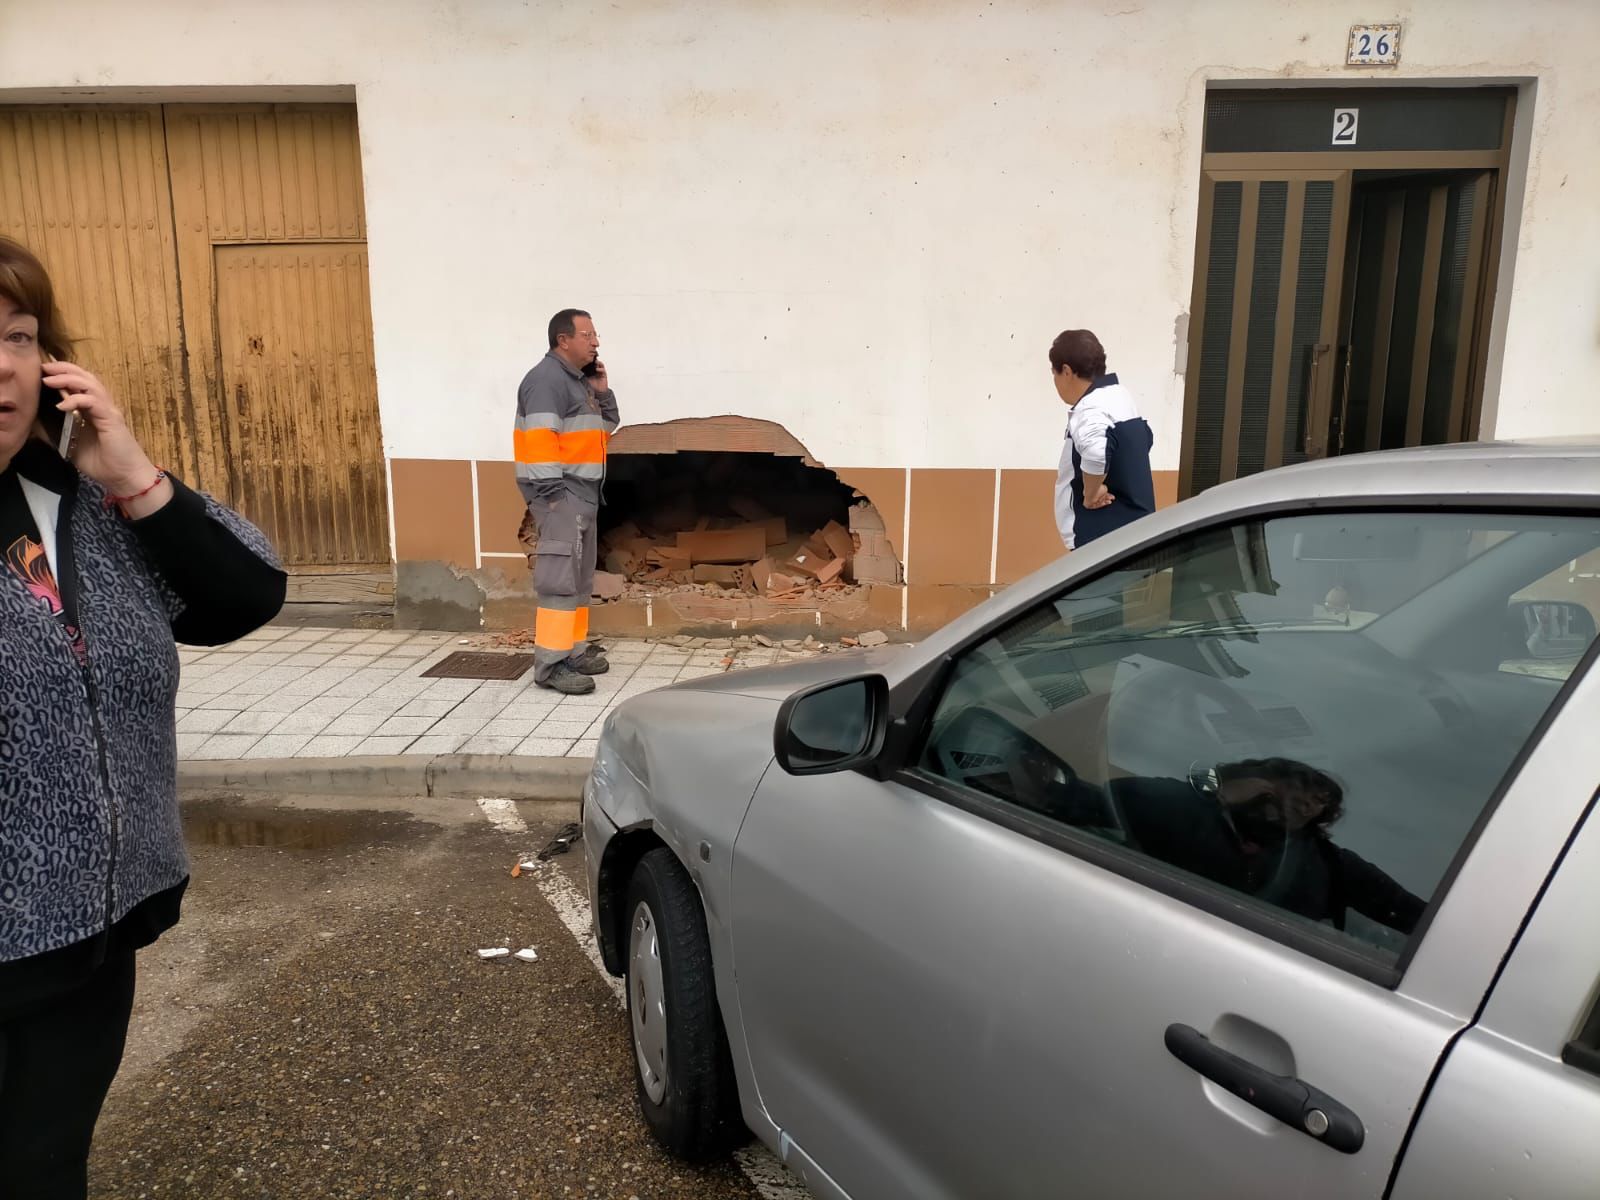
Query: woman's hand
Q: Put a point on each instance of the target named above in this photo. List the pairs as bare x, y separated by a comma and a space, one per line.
1098, 498
104, 448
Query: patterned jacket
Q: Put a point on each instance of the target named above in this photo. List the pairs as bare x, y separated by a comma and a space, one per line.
89, 822
561, 435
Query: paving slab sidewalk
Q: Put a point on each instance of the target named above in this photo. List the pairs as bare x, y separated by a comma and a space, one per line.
306, 693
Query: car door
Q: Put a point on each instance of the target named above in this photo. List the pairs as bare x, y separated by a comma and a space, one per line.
1515, 1106
1006, 969
1514, 1110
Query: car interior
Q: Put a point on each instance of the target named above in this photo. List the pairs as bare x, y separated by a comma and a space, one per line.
1404, 658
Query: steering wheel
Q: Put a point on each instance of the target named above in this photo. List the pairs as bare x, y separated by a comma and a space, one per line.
985, 749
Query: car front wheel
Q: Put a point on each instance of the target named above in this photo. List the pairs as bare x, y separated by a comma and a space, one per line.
685, 1075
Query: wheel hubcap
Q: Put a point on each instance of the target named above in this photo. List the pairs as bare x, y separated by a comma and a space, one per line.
647, 1004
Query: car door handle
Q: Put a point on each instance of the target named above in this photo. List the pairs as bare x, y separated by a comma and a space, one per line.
1292, 1101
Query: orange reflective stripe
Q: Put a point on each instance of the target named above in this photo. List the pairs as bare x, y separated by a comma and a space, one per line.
547, 446
554, 629
536, 446
584, 446
580, 627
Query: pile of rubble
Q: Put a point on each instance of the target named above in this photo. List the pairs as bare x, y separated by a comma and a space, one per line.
523, 639
809, 644
753, 552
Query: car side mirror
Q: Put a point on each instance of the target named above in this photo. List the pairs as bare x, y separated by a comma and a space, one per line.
1551, 628
835, 726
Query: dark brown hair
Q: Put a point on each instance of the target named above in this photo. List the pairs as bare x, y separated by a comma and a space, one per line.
25, 282
563, 324
1318, 784
1080, 352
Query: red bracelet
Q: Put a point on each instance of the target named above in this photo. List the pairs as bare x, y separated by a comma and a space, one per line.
119, 501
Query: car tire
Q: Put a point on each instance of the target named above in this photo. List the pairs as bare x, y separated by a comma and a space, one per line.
682, 1067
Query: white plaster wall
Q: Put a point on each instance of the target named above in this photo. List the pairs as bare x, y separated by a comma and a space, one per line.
863, 220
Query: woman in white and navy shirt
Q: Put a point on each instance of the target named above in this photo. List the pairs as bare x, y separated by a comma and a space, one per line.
1104, 480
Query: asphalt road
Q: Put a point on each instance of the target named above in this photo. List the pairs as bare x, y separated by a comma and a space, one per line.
320, 1024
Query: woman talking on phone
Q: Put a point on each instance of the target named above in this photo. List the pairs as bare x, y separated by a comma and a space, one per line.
105, 559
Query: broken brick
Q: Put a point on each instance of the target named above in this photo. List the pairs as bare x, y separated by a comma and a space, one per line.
620, 537
761, 575
837, 539
866, 568
608, 586
806, 562
721, 576
670, 557
742, 545
831, 571
864, 518
873, 545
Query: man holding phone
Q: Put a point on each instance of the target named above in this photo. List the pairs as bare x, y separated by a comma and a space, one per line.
566, 412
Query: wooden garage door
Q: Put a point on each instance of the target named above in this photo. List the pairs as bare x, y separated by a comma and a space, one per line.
297, 373
271, 232
139, 212
87, 190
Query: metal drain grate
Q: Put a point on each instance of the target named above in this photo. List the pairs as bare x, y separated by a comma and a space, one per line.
468, 664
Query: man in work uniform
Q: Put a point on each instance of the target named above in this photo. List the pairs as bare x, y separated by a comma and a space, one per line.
566, 412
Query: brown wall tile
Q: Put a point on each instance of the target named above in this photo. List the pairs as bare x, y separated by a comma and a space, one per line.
883, 606
930, 606
500, 507
886, 488
433, 510
502, 574
1028, 535
1166, 488
952, 525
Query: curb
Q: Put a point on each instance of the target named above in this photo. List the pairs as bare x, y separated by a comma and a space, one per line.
505, 776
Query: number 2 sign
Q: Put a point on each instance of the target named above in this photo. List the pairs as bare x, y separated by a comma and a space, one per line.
1373, 46
1345, 121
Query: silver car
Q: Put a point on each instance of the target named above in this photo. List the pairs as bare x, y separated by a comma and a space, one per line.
1248, 851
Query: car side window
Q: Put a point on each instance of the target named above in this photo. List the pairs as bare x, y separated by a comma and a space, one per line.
1308, 712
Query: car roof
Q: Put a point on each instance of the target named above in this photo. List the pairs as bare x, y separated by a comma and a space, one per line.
1556, 473
1552, 468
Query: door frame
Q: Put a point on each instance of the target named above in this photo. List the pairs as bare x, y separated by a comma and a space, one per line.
1282, 165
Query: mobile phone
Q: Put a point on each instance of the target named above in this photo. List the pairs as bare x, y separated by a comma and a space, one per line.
591, 369
58, 426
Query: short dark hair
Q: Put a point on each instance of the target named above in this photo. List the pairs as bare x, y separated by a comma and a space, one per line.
561, 324
1080, 352
1297, 774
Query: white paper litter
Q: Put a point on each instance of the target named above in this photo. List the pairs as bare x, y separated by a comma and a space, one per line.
496, 952
530, 865
528, 955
